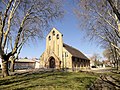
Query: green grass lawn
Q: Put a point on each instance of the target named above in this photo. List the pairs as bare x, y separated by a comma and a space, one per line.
48, 81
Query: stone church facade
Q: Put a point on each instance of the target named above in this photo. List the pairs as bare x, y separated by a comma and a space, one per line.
59, 55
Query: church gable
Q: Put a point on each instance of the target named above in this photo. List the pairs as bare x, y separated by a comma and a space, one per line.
54, 32
54, 43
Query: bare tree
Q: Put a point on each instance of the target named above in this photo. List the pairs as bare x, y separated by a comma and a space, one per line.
96, 59
100, 22
115, 9
111, 55
21, 20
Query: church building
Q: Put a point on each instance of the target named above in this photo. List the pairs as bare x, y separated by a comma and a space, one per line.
59, 55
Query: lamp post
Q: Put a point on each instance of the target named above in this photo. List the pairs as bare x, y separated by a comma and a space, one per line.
63, 61
66, 55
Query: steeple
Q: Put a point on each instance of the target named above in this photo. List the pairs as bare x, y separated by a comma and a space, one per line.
54, 42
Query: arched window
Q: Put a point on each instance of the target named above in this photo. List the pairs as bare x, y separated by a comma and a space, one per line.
49, 37
53, 32
57, 36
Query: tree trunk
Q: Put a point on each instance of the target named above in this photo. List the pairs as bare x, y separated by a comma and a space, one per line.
12, 66
5, 68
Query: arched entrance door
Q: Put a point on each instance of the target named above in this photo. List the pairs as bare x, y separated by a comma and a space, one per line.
52, 63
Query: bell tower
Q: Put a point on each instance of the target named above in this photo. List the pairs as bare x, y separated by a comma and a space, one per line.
54, 43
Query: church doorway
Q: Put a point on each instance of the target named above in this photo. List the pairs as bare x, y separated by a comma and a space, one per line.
52, 63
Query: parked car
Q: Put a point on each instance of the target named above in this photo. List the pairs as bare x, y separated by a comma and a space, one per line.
94, 67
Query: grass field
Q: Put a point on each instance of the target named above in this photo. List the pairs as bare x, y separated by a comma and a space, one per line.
48, 81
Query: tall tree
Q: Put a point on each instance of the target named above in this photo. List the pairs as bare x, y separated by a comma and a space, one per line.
100, 22
21, 19
110, 54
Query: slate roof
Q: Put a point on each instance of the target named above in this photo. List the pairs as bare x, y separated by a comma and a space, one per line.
74, 52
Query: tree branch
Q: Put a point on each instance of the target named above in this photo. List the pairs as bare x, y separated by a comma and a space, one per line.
20, 47
4, 2
9, 24
115, 10
19, 33
118, 49
4, 20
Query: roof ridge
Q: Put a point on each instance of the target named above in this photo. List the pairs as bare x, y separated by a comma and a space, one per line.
72, 47
75, 52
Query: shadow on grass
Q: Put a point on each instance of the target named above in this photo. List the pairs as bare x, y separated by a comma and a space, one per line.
116, 82
27, 77
45, 79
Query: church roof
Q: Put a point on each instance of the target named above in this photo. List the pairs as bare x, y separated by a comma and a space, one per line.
74, 52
